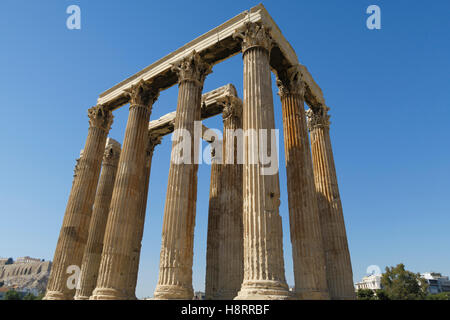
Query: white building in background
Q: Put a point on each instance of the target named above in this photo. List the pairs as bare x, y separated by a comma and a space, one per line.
27, 259
437, 283
369, 282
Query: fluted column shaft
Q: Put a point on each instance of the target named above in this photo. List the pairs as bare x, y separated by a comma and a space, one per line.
74, 232
122, 225
264, 276
136, 252
231, 246
175, 271
212, 247
224, 255
337, 255
93, 251
306, 237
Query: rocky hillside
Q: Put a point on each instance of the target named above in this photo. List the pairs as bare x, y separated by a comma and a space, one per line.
30, 275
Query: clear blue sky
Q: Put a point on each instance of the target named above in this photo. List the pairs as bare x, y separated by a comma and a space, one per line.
388, 91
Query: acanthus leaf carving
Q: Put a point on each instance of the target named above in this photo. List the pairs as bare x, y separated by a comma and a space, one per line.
254, 34
232, 107
192, 68
318, 117
77, 165
153, 141
142, 94
291, 81
100, 117
112, 152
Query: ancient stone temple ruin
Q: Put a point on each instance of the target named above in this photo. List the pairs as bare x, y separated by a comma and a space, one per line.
104, 219
26, 274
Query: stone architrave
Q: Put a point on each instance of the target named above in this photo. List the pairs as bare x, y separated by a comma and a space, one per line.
337, 255
94, 246
306, 236
264, 276
122, 225
175, 271
74, 232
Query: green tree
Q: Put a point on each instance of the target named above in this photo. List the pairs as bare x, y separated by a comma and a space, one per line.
401, 284
40, 296
29, 296
365, 294
439, 296
12, 295
381, 294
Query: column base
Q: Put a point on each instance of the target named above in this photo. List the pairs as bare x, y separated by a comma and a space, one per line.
80, 298
173, 292
225, 295
56, 295
343, 298
108, 294
263, 290
312, 295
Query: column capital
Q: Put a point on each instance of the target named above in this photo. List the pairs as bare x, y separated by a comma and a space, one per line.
290, 82
142, 94
254, 34
216, 155
153, 141
77, 165
112, 152
232, 107
192, 68
100, 117
318, 117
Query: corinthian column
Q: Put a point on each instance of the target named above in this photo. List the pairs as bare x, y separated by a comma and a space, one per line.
337, 256
175, 269
122, 227
306, 236
263, 240
94, 246
74, 232
231, 246
213, 238
153, 141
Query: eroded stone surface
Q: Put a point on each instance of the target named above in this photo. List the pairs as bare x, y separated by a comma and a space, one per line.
306, 235
264, 276
122, 225
74, 232
94, 247
337, 255
175, 272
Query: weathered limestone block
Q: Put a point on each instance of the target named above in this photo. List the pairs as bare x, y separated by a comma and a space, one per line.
122, 227
263, 240
175, 272
337, 255
74, 232
93, 251
306, 237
